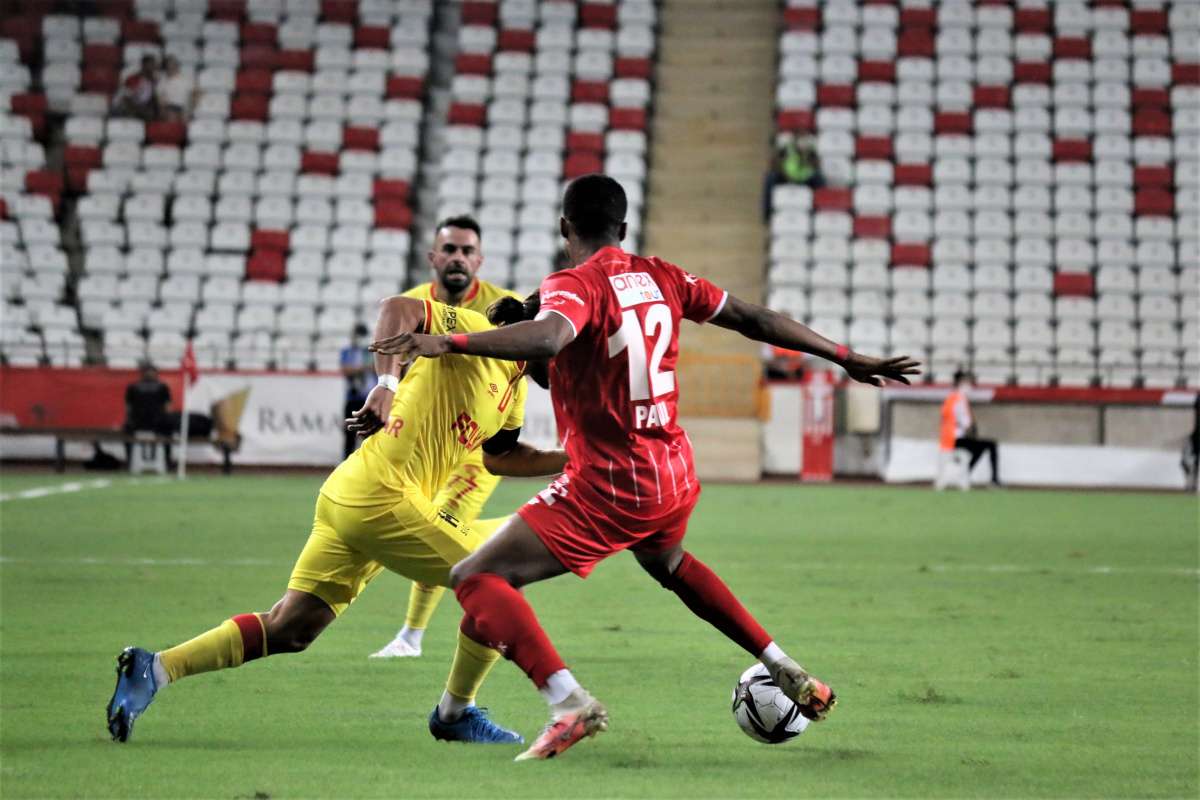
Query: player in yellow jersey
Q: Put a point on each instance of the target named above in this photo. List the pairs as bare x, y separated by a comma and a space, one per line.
376, 512
454, 260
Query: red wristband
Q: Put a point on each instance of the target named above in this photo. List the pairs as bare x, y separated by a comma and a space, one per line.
458, 343
842, 353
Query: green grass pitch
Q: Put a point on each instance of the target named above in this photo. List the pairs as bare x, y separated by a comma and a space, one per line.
993, 644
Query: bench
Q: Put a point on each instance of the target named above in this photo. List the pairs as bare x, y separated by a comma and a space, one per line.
114, 436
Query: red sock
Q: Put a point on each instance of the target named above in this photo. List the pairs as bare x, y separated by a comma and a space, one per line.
497, 616
710, 599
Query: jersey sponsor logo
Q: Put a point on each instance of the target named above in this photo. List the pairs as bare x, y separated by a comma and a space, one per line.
561, 294
655, 415
394, 426
450, 318
635, 288
449, 518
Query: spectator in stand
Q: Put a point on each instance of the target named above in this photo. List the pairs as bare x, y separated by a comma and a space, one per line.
176, 92
795, 161
137, 96
358, 366
958, 427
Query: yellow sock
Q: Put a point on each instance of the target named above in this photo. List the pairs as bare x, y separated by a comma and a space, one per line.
472, 663
423, 600
230, 644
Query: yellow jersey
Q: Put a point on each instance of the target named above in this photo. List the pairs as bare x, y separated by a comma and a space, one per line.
443, 411
481, 295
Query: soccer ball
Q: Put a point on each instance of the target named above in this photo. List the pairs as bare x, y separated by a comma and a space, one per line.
763, 711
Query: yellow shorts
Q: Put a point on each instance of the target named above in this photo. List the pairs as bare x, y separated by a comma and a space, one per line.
349, 546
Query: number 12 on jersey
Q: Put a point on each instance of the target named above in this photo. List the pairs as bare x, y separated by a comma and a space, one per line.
646, 381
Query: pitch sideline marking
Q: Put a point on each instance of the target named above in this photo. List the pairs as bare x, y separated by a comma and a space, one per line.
72, 487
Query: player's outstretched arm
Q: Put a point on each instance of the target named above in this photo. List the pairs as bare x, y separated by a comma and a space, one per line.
397, 315
764, 325
522, 341
504, 455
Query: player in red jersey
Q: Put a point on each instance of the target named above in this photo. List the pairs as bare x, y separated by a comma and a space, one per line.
611, 325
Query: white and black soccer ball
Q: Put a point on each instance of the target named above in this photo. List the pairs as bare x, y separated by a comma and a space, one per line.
763, 711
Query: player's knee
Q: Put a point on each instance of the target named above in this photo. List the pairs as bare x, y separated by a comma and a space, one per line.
292, 633
661, 566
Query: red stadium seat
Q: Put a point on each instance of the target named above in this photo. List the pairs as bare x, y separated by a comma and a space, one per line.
467, 114
1146, 97
877, 71
259, 33
373, 37
598, 15
589, 92
473, 64
877, 147
918, 17
627, 119
1032, 20
100, 78
77, 178
1153, 203
581, 142
259, 56
1073, 47
356, 137
1158, 177
633, 68
265, 239
405, 87
26, 32
3, 208
515, 39
1148, 21
831, 198
1074, 284
228, 10
319, 163
27, 103
1151, 122
266, 265
913, 175
802, 19
44, 181
392, 214
952, 122
140, 30
339, 11
255, 81
1072, 150
836, 95
101, 54
302, 60
1032, 72
121, 9
78, 155
873, 227
390, 188
577, 164
915, 43
794, 120
478, 13
1186, 73
254, 107
992, 97
911, 255
173, 132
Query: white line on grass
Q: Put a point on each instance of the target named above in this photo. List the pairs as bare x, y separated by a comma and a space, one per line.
75, 486
1021, 569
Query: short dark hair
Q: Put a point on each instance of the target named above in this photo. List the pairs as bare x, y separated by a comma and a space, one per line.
595, 206
508, 310
961, 375
464, 221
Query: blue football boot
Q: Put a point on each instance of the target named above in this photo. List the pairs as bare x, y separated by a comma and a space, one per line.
135, 690
473, 726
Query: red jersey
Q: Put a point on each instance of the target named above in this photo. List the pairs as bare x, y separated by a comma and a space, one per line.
613, 386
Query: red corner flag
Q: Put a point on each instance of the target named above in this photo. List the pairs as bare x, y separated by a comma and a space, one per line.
188, 365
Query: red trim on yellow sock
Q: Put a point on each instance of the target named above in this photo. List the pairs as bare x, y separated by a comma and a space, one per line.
253, 636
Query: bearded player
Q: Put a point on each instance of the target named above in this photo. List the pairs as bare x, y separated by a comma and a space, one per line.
376, 511
611, 325
454, 260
